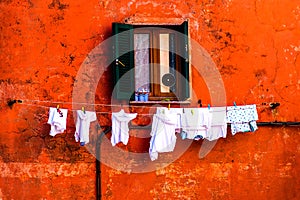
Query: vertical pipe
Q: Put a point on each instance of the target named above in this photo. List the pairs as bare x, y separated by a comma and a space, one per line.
98, 163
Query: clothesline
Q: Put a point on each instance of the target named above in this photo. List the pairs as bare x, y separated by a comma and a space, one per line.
33, 101
98, 112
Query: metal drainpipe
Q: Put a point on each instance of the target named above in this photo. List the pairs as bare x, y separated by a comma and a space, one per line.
98, 163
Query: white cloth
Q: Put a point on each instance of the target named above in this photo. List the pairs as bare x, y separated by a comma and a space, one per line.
163, 138
196, 122
58, 121
120, 130
218, 127
175, 111
242, 118
83, 121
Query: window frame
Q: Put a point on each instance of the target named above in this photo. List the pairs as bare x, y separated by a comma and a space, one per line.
182, 63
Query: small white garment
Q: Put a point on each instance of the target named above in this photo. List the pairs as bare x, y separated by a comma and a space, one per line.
58, 121
175, 111
242, 118
120, 130
163, 138
83, 120
218, 127
196, 122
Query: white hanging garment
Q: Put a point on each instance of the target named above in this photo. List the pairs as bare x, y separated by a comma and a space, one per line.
175, 111
218, 127
120, 130
163, 138
195, 123
58, 120
83, 120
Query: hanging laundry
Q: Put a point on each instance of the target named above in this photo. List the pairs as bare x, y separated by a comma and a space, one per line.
58, 120
175, 111
163, 138
83, 120
195, 123
218, 127
120, 130
242, 118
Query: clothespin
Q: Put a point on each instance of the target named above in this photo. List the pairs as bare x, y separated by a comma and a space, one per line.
192, 111
59, 111
208, 106
169, 106
234, 104
83, 110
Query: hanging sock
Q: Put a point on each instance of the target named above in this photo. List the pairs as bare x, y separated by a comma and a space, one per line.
58, 120
83, 120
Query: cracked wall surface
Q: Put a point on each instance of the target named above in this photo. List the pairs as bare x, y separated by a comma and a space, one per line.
255, 46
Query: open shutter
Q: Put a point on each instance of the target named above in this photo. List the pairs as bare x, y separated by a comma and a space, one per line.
185, 61
123, 66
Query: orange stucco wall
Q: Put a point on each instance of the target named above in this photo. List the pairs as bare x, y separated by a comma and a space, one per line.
254, 45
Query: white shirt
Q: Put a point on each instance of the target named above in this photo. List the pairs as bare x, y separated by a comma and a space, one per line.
120, 130
163, 134
83, 121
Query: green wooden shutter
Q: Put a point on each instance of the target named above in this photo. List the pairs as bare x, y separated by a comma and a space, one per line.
123, 66
185, 62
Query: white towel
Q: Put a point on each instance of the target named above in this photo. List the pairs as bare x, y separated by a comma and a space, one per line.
58, 121
218, 127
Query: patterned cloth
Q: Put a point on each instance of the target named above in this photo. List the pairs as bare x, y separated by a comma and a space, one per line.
242, 118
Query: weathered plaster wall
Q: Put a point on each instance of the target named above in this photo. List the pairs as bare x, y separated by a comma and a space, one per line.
255, 46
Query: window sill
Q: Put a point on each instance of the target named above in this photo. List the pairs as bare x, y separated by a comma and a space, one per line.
187, 102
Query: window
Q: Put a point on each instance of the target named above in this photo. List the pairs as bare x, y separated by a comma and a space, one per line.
154, 58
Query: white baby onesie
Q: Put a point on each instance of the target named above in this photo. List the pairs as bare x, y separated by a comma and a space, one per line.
196, 122
83, 120
242, 118
120, 130
163, 138
58, 121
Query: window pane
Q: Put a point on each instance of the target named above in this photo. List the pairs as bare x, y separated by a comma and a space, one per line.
164, 60
173, 60
141, 59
